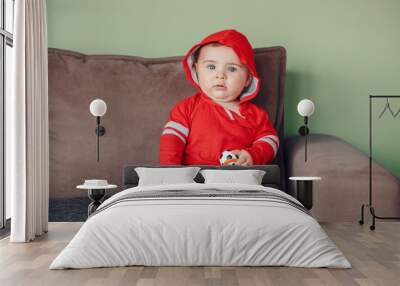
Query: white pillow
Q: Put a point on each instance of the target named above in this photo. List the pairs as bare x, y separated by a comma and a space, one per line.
163, 176
248, 177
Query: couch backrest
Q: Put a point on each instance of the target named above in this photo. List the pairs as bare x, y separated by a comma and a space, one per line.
139, 93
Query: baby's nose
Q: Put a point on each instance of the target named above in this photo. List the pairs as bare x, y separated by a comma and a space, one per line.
220, 75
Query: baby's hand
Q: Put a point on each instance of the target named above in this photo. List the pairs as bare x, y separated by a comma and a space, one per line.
245, 158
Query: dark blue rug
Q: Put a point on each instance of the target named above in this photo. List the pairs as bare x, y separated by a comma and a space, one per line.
68, 209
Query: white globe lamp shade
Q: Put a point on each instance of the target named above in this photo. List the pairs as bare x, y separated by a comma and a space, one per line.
98, 107
305, 107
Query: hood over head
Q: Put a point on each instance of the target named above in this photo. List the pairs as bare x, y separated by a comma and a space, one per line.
239, 43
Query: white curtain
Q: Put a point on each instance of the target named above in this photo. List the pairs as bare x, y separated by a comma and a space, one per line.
27, 120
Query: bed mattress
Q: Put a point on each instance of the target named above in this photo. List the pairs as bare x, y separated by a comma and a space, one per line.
201, 225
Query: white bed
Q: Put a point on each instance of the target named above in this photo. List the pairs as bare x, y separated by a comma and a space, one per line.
206, 230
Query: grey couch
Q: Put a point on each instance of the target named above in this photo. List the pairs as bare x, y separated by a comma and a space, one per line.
140, 92
344, 185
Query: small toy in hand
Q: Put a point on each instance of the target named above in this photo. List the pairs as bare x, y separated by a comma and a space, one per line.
228, 158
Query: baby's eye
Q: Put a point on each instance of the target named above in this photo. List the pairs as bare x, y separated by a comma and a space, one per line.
210, 67
232, 69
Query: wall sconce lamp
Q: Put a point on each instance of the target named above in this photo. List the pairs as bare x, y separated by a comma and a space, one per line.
98, 108
305, 108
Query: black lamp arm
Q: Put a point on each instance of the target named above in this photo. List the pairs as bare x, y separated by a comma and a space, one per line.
100, 131
303, 131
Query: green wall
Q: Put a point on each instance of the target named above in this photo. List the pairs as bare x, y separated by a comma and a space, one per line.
339, 51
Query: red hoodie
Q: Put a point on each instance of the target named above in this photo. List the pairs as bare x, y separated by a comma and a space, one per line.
199, 130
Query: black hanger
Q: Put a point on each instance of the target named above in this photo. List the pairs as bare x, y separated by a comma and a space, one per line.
387, 107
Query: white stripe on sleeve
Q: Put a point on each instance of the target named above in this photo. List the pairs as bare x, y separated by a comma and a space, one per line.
273, 137
270, 142
177, 126
173, 132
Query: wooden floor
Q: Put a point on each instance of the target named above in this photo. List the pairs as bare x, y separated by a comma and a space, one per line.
375, 257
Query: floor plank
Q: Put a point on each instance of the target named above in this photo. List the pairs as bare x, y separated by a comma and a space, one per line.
375, 257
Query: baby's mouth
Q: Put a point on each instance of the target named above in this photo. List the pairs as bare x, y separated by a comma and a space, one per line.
220, 86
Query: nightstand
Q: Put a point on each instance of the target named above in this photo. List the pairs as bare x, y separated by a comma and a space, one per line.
95, 194
304, 190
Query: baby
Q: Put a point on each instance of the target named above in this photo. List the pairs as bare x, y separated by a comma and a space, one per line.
220, 116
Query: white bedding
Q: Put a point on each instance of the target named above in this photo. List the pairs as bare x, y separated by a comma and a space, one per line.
200, 231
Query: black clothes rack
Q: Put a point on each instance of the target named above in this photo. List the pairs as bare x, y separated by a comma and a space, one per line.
394, 115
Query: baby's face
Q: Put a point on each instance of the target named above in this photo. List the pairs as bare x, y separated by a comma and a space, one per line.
221, 75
